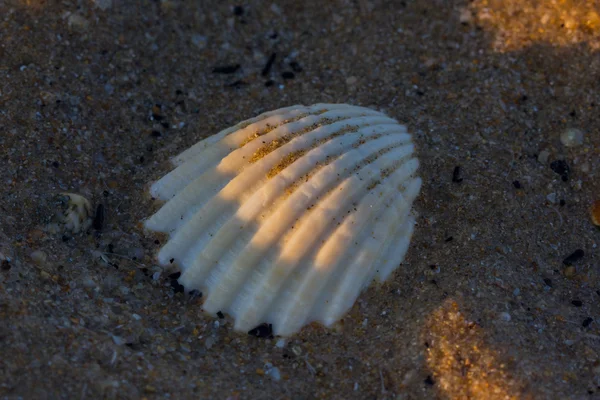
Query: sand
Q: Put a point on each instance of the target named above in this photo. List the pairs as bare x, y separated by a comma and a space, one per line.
95, 97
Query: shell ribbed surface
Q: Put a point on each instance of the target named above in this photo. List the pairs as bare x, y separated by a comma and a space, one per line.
286, 217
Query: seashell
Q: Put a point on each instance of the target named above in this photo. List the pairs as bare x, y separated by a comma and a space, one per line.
286, 217
76, 212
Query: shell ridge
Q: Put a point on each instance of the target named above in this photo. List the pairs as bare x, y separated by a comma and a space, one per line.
208, 157
236, 220
359, 272
198, 218
206, 142
298, 201
401, 207
294, 307
312, 228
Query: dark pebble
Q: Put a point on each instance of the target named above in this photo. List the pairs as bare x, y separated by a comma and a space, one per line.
238, 10
55, 164
157, 117
295, 66
106, 193
5, 266
598, 292
175, 275
195, 294
429, 380
65, 238
165, 124
268, 65
156, 134
577, 303
573, 258
288, 75
157, 241
220, 314
262, 331
171, 260
456, 178
111, 247
586, 322
269, 83
562, 202
99, 218
561, 168
177, 287
548, 282
226, 69
420, 93
449, 239
517, 184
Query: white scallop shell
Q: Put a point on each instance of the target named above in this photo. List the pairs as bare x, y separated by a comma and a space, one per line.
286, 217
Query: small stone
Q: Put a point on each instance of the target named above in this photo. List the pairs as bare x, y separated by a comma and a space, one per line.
551, 198
199, 41
209, 342
351, 80
109, 89
149, 389
274, 374
586, 322
465, 16
561, 168
297, 350
275, 8
280, 344
504, 316
570, 271
77, 21
262, 331
543, 156
39, 257
119, 341
577, 303
571, 137
456, 175
574, 257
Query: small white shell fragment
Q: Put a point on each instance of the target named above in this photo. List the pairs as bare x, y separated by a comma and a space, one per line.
286, 217
77, 212
571, 137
